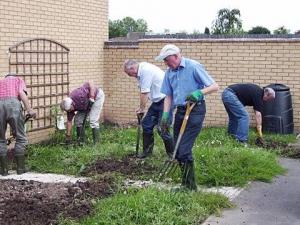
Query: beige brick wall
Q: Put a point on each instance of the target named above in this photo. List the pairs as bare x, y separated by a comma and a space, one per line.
228, 61
80, 25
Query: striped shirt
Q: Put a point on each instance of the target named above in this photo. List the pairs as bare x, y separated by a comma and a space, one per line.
11, 87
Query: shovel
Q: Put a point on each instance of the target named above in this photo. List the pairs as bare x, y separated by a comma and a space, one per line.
171, 165
138, 135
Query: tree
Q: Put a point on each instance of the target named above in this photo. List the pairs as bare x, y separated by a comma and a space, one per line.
259, 30
228, 22
120, 28
206, 31
281, 30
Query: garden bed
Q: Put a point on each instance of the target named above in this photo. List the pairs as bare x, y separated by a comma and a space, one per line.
219, 161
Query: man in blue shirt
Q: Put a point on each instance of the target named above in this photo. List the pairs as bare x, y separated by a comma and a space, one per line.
185, 80
150, 78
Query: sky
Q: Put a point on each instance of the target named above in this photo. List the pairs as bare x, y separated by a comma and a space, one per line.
195, 15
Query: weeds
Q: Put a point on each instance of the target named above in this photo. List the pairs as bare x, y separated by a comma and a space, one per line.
152, 206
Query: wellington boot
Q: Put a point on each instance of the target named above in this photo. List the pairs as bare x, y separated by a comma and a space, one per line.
96, 135
20, 160
3, 165
148, 143
188, 176
80, 135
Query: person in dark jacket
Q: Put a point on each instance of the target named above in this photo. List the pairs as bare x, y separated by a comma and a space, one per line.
235, 97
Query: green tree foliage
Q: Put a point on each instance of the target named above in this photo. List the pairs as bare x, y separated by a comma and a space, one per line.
206, 31
281, 30
259, 30
120, 28
228, 22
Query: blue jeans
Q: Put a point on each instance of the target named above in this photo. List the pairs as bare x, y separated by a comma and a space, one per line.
153, 118
193, 128
238, 125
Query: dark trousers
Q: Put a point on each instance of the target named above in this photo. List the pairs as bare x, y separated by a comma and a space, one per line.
153, 118
193, 128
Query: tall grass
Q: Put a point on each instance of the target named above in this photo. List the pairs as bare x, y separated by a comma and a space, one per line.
152, 206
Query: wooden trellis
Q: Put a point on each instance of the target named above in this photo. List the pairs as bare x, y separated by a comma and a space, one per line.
44, 66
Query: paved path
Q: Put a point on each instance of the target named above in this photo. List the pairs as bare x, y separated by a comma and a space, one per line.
276, 203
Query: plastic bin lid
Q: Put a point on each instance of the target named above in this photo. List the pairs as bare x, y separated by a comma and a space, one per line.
278, 87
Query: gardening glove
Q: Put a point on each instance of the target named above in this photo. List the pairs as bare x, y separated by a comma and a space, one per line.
195, 96
259, 131
91, 103
164, 122
68, 140
31, 113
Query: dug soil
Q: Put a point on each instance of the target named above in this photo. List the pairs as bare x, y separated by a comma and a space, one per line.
292, 151
129, 166
35, 203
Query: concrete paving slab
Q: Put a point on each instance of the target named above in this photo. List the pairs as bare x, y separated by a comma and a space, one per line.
276, 203
43, 177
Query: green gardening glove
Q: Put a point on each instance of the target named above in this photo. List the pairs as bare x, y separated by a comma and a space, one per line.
164, 122
195, 96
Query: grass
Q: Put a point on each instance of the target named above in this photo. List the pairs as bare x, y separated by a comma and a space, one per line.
219, 161
224, 162
152, 206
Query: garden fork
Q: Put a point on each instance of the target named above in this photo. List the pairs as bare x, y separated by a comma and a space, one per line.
171, 164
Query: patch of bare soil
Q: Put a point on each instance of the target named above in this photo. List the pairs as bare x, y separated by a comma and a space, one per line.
35, 203
288, 150
128, 166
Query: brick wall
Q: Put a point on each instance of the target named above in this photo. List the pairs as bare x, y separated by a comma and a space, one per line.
80, 25
260, 61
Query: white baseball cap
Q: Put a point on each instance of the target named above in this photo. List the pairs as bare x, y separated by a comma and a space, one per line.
166, 51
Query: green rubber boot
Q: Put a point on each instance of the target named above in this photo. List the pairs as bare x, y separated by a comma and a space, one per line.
20, 160
188, 176
3, 165
96, 135
148, 143
80, 135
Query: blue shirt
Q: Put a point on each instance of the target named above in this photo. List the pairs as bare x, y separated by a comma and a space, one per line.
188, 77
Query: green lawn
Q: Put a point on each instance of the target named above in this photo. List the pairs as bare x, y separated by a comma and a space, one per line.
150, 206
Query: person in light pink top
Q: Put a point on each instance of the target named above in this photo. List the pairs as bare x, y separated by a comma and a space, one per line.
12, 92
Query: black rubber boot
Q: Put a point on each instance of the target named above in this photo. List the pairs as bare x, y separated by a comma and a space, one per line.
188, 176
169, 146
80, 135
20, 160
148, 143
3, 165
96, 135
